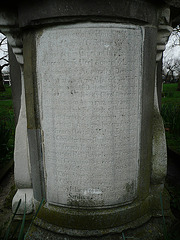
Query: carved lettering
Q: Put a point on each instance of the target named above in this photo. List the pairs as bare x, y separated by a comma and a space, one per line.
89, 94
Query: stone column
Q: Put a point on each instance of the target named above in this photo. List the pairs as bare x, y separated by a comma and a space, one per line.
90, 98
86, 123
159, 153
159, 150
22, 168
89, 73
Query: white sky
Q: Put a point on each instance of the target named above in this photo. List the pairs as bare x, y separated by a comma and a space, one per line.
3, 52
171, 54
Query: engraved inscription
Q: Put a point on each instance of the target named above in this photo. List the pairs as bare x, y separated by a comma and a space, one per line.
89, 86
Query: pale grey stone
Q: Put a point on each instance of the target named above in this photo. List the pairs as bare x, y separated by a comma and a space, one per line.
20, 194
159, 150
22, 169
89, 87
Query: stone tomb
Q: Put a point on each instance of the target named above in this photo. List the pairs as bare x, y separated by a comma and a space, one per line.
89, 79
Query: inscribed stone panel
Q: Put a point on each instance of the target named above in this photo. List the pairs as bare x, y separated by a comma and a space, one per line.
89, 86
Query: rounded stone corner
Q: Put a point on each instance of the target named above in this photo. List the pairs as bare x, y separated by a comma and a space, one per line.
27, 199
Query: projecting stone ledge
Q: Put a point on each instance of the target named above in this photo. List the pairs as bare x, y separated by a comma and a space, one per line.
136, 220
153, 229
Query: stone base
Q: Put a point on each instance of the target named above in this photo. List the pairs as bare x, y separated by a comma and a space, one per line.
153, 229
88, 222
139, 218
20, 194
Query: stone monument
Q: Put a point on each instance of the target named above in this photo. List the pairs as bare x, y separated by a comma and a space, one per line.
89, 138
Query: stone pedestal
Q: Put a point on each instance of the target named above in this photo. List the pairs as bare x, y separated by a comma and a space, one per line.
90, 100
92, 114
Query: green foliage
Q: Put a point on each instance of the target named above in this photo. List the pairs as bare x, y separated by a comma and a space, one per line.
5, 108
171, 117
170, 87
173, 142
21, 233
7, 127
170, 94
6, 139
7, 94
123, 236
170, 112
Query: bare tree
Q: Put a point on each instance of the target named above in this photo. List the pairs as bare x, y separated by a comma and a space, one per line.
171, 58
176, 34
4, 61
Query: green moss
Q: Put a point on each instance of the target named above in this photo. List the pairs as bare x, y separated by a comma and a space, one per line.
93, 219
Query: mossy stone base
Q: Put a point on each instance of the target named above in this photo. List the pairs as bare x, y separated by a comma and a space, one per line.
92, 222
76, 221
153, 229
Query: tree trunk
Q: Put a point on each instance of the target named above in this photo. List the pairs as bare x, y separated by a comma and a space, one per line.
2, 88
178, 88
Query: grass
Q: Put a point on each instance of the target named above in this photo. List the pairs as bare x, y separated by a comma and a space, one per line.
170, 94
7, 94
6, 108
173, 142
170, 112
6, 105
7, 127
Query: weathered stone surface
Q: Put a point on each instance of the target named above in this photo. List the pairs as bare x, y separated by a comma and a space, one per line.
159, 149
89, 97
22, 167
51, 11
15, 73
152, 230
174, 3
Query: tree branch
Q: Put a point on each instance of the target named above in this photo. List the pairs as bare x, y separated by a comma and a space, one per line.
2, 41
2, 58
4, 65
6, 60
